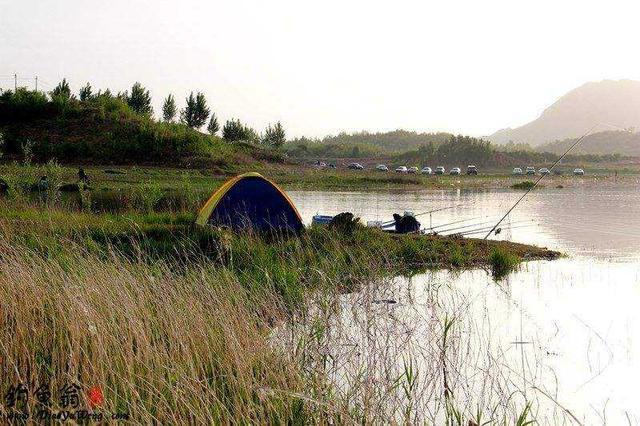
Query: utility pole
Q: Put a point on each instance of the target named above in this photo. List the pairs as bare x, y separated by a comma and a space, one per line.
36, 83
15, 82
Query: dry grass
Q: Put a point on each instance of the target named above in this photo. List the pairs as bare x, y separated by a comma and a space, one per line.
178, 325
163, 346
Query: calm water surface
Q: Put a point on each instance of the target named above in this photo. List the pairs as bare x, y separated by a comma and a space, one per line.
575, 321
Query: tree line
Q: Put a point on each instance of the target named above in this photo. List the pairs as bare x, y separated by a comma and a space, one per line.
195, 114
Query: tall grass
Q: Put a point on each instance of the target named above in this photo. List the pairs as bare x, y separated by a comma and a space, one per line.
182, 324
163, 346
502, 262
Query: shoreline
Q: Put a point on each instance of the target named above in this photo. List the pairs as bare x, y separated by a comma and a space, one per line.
104, 178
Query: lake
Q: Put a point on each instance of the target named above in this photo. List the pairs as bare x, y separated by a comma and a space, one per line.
561, 334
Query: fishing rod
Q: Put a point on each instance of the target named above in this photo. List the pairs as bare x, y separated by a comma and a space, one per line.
477, 225
392, 222
463, 227
498, 230
489, 227
539, 179
458, 221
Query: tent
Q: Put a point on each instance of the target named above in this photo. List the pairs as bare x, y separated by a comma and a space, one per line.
250, 201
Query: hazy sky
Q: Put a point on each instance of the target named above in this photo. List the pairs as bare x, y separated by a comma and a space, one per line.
326, 66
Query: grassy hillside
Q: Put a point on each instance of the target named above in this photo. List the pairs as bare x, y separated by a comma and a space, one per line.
607, 101
611, 142
382, 142
104, 130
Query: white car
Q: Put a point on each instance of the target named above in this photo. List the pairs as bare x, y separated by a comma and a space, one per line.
382, 168
440, 170
517, 171
578, 172
413, 170
401, 169
544, 171
426, 171
455, 171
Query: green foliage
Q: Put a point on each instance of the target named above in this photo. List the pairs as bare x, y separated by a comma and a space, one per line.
103, 129
196, 112
274, 136
150, 193
213, 126
169, 109
140, 100
62, 91
456, 150
396, 141
315, 148
23, 105
234, 131
502, 262
526, 185
86, 93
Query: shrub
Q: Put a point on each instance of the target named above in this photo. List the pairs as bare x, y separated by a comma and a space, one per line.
502, 262
526, 185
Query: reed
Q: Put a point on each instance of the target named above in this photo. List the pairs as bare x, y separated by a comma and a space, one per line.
502, 262
178, 324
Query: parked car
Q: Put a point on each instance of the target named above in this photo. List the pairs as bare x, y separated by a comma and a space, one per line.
382, 168
426, 171
401, 169
578, 172
332, 166
356, 166
531, 170
544, 171
440, 170
413, 170
472, 170
517, 171
455, 171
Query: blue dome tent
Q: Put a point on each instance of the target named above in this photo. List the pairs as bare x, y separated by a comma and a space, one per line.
250, 201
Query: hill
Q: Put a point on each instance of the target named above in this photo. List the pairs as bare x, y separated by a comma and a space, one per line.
383, 142
607, 101
611, 142
104, 130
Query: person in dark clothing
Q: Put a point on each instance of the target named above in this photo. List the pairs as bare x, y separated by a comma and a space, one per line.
4, 187
406, 224
43, 184
82, 176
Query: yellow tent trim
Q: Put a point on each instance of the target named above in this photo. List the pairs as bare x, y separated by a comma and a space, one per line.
212, 202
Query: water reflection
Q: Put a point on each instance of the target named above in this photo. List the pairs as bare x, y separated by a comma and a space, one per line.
566, 329
584, 222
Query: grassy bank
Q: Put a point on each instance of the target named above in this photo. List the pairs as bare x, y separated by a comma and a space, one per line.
176, 323
190, 187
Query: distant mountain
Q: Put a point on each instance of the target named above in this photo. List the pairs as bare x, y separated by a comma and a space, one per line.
607, 101
611, 142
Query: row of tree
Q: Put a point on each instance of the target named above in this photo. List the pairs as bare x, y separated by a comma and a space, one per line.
195, 114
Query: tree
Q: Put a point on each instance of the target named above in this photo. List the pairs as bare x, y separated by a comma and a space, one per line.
275, 136
140, 100
169, 108
234, 130
195, 114
86, 93
62, 90
213, 126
